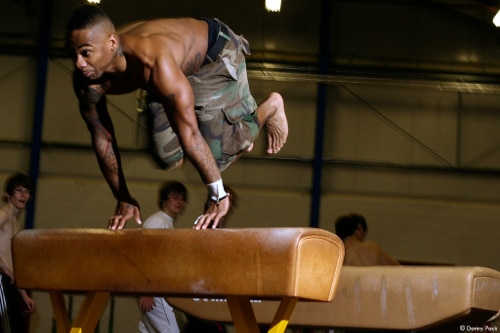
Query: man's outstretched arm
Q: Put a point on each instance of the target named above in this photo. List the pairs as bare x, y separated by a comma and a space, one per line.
95, 114
177, 92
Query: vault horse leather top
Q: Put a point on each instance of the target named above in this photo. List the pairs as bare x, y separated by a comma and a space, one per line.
285, 264
400, 298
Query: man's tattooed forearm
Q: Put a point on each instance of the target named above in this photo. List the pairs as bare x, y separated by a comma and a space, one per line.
93, 95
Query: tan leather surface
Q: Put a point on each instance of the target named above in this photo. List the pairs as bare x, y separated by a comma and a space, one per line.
259, 262
385, 297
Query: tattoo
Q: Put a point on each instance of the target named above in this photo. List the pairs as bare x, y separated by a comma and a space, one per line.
193, 65
91, 114
119, 51
93, 95
94, 111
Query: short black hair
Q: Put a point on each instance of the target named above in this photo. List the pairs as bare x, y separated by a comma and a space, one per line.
360, 220
86, 16
168, 187
15, 180
346, 225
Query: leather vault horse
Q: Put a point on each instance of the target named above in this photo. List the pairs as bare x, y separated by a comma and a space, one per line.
278, 264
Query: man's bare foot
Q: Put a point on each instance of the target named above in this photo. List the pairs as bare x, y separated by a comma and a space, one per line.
272, 115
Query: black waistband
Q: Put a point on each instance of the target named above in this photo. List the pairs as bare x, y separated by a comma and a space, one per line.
213, 31
217, 38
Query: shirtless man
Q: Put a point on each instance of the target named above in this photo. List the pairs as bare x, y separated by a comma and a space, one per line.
17, 195
358, 252
195, 74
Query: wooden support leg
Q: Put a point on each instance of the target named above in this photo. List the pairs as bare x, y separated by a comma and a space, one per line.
88, 315
90, 312
244, 319
283, 314
60, 312
242, 314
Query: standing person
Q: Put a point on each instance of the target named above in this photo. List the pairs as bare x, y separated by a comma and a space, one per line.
13, 302
159, 316
352, 230
195, 74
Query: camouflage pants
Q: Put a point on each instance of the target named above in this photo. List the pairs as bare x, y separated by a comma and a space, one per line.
224, 107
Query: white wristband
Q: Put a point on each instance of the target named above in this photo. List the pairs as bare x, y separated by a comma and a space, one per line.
216, 190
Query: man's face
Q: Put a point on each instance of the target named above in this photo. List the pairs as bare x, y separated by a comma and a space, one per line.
92, 50
20, 197
174, 204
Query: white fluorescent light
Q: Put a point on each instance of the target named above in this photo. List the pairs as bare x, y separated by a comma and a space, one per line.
273, 5
496, 19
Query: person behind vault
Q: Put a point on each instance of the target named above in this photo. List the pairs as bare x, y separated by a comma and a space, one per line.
352, 230
158, 315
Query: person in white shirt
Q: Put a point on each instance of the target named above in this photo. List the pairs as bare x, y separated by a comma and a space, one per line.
159, 316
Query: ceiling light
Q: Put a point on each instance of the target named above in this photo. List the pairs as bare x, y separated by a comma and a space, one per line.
273, 5
496, 19
93, 1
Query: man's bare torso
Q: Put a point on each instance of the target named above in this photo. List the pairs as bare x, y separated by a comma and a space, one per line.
361, 254
162, 43
8, 228
366, 253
